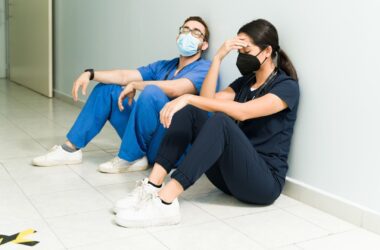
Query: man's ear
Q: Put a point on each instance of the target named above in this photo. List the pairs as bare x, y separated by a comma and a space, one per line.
204, 46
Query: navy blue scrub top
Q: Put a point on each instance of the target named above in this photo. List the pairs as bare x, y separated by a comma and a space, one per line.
271, 135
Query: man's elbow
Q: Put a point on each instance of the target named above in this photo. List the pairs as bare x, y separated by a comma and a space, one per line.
175, 92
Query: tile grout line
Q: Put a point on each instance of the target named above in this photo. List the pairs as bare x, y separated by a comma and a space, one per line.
320, 227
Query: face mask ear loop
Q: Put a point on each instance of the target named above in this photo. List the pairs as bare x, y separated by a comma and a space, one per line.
264, 60
259, 54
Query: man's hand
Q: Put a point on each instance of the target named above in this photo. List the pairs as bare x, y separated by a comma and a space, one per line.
82, 81
130, 92
170, 108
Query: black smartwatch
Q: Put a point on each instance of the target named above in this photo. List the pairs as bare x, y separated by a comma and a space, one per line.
92, 74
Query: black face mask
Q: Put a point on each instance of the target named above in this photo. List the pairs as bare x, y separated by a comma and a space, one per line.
247, 63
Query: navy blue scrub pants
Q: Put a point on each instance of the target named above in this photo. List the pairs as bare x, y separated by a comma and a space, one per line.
138, 125
222, 151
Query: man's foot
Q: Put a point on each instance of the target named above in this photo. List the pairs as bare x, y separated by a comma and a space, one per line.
118, 165
58, 156
142, 189
150, 212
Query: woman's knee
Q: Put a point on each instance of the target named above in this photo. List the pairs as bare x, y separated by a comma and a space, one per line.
220, 118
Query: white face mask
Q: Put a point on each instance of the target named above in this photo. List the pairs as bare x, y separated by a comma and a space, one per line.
187, 44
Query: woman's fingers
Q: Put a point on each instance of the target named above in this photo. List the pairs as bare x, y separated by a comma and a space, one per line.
166, 116
162, 114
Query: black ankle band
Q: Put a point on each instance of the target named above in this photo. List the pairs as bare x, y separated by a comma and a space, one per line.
154, 185
164, 202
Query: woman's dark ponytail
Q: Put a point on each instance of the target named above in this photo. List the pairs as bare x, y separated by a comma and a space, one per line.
263, 34
284, 63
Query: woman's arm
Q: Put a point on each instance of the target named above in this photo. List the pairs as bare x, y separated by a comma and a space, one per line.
263, 106
209, 84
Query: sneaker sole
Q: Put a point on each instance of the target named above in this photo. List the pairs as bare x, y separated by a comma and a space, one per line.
124, 170
56, 163
151, 223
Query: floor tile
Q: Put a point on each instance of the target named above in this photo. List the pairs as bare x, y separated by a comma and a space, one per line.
89, 227
352, 240
201, 186
88, 170
115, 192
317, 217
284, 201
20, 148
14, 205
140, 242
276, 228
213, 235
225, 206
69, 202
50, 179
45, 237
107, 140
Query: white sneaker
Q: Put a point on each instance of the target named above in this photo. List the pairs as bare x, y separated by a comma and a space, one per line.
138, 194
58, 156
118, 165
150, 212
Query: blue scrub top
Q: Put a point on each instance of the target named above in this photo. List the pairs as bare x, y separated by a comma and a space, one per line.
196, 71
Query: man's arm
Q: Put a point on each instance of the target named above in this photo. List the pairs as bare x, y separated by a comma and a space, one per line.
121, 77
118, 76
172, 88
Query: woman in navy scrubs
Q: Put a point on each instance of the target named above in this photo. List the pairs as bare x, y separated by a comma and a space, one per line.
242, 148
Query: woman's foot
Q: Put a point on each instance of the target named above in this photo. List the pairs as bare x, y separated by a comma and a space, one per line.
118, 165
58, 156
142, 189
151, 211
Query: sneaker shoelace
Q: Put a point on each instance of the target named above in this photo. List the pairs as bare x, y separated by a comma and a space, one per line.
53, 148
143, 194
146, 200
115, 161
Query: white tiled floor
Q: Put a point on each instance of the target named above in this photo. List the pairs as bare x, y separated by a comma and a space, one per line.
69, 206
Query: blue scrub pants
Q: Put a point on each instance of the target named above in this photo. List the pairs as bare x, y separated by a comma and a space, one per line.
138, 125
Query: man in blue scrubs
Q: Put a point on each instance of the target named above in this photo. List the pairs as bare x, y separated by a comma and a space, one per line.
136, 122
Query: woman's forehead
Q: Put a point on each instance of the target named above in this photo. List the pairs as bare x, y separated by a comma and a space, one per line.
245, 38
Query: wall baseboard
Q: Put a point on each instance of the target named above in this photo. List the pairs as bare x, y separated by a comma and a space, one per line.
334, 205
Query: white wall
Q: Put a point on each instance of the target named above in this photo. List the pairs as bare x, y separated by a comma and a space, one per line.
2, 39
333, 44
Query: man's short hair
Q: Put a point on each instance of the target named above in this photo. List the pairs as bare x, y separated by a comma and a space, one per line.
200, 20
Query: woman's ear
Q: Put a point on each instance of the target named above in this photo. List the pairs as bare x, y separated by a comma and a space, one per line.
268, 51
